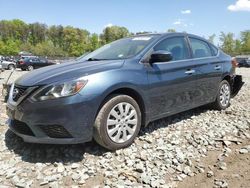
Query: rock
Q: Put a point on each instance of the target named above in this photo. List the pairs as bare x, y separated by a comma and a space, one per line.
139, 167
220, 183
222, 165
75, 165
60, 168
187, 170
44, 183
243, 151
210, 174
20, 185
54, 185
76, 176
145, 179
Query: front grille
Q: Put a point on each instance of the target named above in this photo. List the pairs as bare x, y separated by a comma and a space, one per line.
21, 127
18, 92
55, 131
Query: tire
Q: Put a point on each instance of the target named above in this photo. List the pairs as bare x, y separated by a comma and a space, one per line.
30, 68
11, 67
219, 103
119, 125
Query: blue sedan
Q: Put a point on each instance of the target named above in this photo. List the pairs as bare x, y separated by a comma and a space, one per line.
112, 92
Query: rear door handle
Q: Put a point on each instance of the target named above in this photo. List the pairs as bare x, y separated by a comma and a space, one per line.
217, 67
190, 71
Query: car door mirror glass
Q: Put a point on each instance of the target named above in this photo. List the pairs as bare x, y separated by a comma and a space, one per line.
161, 56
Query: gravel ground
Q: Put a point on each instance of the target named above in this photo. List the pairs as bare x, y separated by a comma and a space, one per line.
167, 153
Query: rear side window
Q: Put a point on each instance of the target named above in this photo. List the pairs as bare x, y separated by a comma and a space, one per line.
214, 50
176, 45
200, 48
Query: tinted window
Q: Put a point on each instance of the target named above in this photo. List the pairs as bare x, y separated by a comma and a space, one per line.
200, 48
176, 45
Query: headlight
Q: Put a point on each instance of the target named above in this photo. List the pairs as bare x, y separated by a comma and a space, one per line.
59, 90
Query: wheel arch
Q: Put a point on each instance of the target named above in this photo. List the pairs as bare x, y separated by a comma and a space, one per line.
228, 78
132, 93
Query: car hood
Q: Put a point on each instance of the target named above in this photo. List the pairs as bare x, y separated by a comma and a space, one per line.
55, 73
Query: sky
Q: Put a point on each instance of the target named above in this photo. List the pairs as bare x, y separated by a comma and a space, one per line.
203, 18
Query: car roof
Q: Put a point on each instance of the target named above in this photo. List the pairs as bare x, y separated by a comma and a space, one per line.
162, 35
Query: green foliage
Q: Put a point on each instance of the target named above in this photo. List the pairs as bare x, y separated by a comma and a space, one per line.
228, 42
171, 30
10, 47
245, 38
57, 40
113, 33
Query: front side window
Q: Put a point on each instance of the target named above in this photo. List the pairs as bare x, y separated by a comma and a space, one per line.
200, 48
176, 45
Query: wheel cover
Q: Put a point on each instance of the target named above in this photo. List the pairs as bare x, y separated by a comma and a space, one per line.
11, 67
122, 122
30, 68
224, 95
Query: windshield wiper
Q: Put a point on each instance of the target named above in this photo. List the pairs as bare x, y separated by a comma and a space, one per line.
95, 59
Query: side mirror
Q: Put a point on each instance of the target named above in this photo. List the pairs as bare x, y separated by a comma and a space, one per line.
160, 56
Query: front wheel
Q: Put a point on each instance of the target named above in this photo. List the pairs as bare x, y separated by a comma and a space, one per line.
118, 122
223, 96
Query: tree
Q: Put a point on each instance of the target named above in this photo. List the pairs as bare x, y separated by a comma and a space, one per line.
245, 39
171, 30
94, 42
75, 41
10, 47
113, 33
47, 49
37, 33
228, 42
55, 34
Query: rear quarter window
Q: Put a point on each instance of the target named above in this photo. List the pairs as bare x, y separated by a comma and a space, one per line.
200, 48
214, 50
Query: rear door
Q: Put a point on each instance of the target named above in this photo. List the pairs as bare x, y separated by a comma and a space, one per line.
209, 69
172, 84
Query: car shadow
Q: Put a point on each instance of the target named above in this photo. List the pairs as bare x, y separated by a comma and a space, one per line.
170, 120
48, 153
45, 153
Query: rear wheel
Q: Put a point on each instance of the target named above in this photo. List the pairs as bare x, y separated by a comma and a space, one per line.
223, 96
118, 122
30, 68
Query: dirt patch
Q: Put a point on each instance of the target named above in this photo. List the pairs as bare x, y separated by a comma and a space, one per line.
236, 174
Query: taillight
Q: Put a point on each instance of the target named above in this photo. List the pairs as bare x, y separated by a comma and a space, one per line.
21, 62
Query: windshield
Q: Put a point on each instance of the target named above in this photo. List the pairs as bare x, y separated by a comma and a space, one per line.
120, 49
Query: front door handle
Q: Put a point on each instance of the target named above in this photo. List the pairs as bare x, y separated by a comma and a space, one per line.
190, 71
217, 67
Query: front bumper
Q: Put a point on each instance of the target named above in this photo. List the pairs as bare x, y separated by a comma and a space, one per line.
66, 120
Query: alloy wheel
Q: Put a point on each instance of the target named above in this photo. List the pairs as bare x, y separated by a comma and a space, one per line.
224, 94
